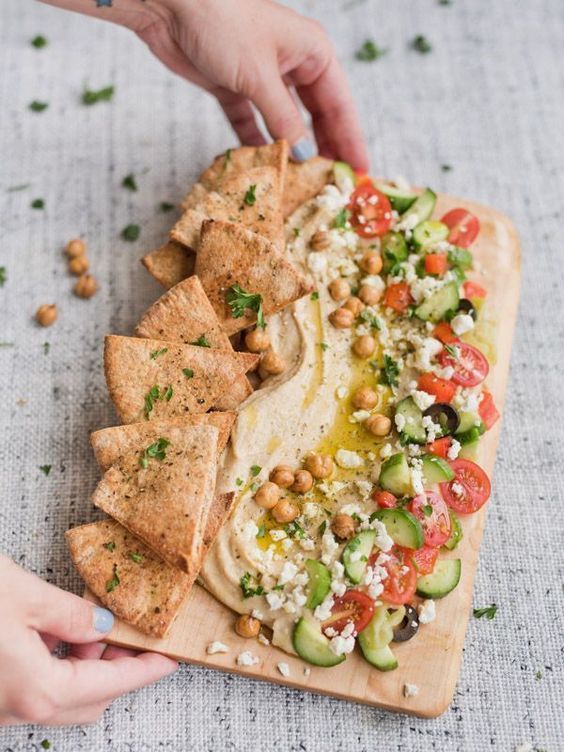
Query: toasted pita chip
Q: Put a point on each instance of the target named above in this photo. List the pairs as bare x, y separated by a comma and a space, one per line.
218, 513
304, 180
252, 198
169, 264
197, 193
127, 576
166, 500
184, 314
109, 444
151, 379
231, 255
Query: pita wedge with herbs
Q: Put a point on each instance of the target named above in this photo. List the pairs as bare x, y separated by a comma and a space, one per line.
170, 264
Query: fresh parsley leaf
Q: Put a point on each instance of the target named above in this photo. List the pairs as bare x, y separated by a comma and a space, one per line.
134, 556
369, 51
421, 44
129, 182
314, 295
261, 532
294, 530
427, 510
239, 481
452, 350
168, 394
46, 744
112, 584
38, 203
390, 372
3, 276
37, 106
250, 196
240, 300
46, 348
110, 546
370, 318
156, 451
155, 354
446, 167
297, 232
488, 611
201, 341
165, 206
255, 470
152, 395
226, 158
323, 527
90, 96
249, 586
188, 372
324, 346
131, 233
45, 469
341, 220
39, 42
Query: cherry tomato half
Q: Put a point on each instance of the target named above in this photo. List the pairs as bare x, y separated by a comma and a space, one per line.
401, 582
432, 513
442, 389
425, 559
371, 211
470, 366
440, 447
353, 606
463, 225
470, 488
384, 499
473, 290
398, 296
487, 410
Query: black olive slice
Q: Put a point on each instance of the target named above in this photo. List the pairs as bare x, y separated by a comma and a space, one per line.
408, 627
466, 306
445, 415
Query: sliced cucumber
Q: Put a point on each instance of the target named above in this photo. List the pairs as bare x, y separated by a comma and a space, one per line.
467, 421
455, 532
356, 553
394, 250
436, 469
375, 640
311, 644
429, 232
399, 199
412, 431
472, 435
319, 582
444, 578
444, 299
469, 451
402, 527
422, 208
460, 257
343, 173
395, 476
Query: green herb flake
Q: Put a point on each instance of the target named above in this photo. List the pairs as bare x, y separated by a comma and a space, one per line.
38, 203
370, 318
168, 394
45, 469
46, 744
156, 451
152, 395
446, 167
226, 158
110, 546
239, 482
166, 206
294, 530
3, 276
324, 346
452, 350
249, 586
322, 528
155, 354
390, 372
250, 196
261, 532
90, 96
129, 182
421, 44
314, 295
369, 52
37, 106
341, 220
488, 611
188, 372
297, 232
255, 470
538, 675
202, 341
39, 42
131, 233
427, 510
134, 556
354, 544
240, 300
46, 348
112, 584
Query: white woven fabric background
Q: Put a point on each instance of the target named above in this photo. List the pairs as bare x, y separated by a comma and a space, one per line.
489, 101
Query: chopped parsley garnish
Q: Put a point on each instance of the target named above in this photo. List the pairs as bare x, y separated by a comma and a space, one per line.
188, 372
38, 203
353, 544
227, 158
39, 42
370, 319
369, 51
255, 470
46, 744
166, 206
261, 532
37, 106
153, 395
294, 530
112, 584
240, 300
110, 546
46, 348
446, 167
488, 611
297, 232
250, 195
156, 451
129, 182
249, 586
341, 220
90, 96
427, 510
323, 527
168, 394
452, 350
3, 276
324, 346
45, 469
390, 372
201, 341
314, 295
134, 556
131, 233
155, 354
421, 44
239, 481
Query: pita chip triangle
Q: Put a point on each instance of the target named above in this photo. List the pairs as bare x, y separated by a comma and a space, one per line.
169, 264
304, 180
230, 255
150, 378
164, 498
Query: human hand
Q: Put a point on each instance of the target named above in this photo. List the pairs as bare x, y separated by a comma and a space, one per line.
37, 687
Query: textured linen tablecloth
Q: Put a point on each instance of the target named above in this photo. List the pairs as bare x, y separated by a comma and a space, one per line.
488, 101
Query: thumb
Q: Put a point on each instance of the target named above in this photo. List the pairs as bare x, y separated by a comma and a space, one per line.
66, 616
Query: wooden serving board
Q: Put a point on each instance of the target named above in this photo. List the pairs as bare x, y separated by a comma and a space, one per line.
431, 660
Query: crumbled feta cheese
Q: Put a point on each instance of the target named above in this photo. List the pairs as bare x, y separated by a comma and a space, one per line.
416, 471
329, 546
382, 539
301, 579
462, 323
289, 571
347, 459
429, 348
423, 400
342, 645
453, 450
350, 509
247, 659
339, 588
275, 600
457, 489
410, 690
332, 199
400, 421
386, 451
278, 535
250, 530
310, 509
427, 612
216, 647
323, 611
263, 639
341, 392
348, 629
317, 262
364, 487
355, 556
431, 428
289, 607
308, 544
359, 416
423, 287
287, 544
256, 614
374, 280
283, 668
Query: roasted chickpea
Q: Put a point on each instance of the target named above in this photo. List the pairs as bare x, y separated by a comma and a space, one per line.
365, 398
320, 240
78, 265
364, 346
355, 305
282, 475
339, 289
369, 294
267, 495
342, 526
86, 286
371, 262
271, 364
257, 340
75, 248
46, 314
378, 425
342, 318
319, 465
303, 482
285, 511
247, 626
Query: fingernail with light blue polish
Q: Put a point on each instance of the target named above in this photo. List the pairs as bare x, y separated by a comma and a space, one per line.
103, 619
303, 149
